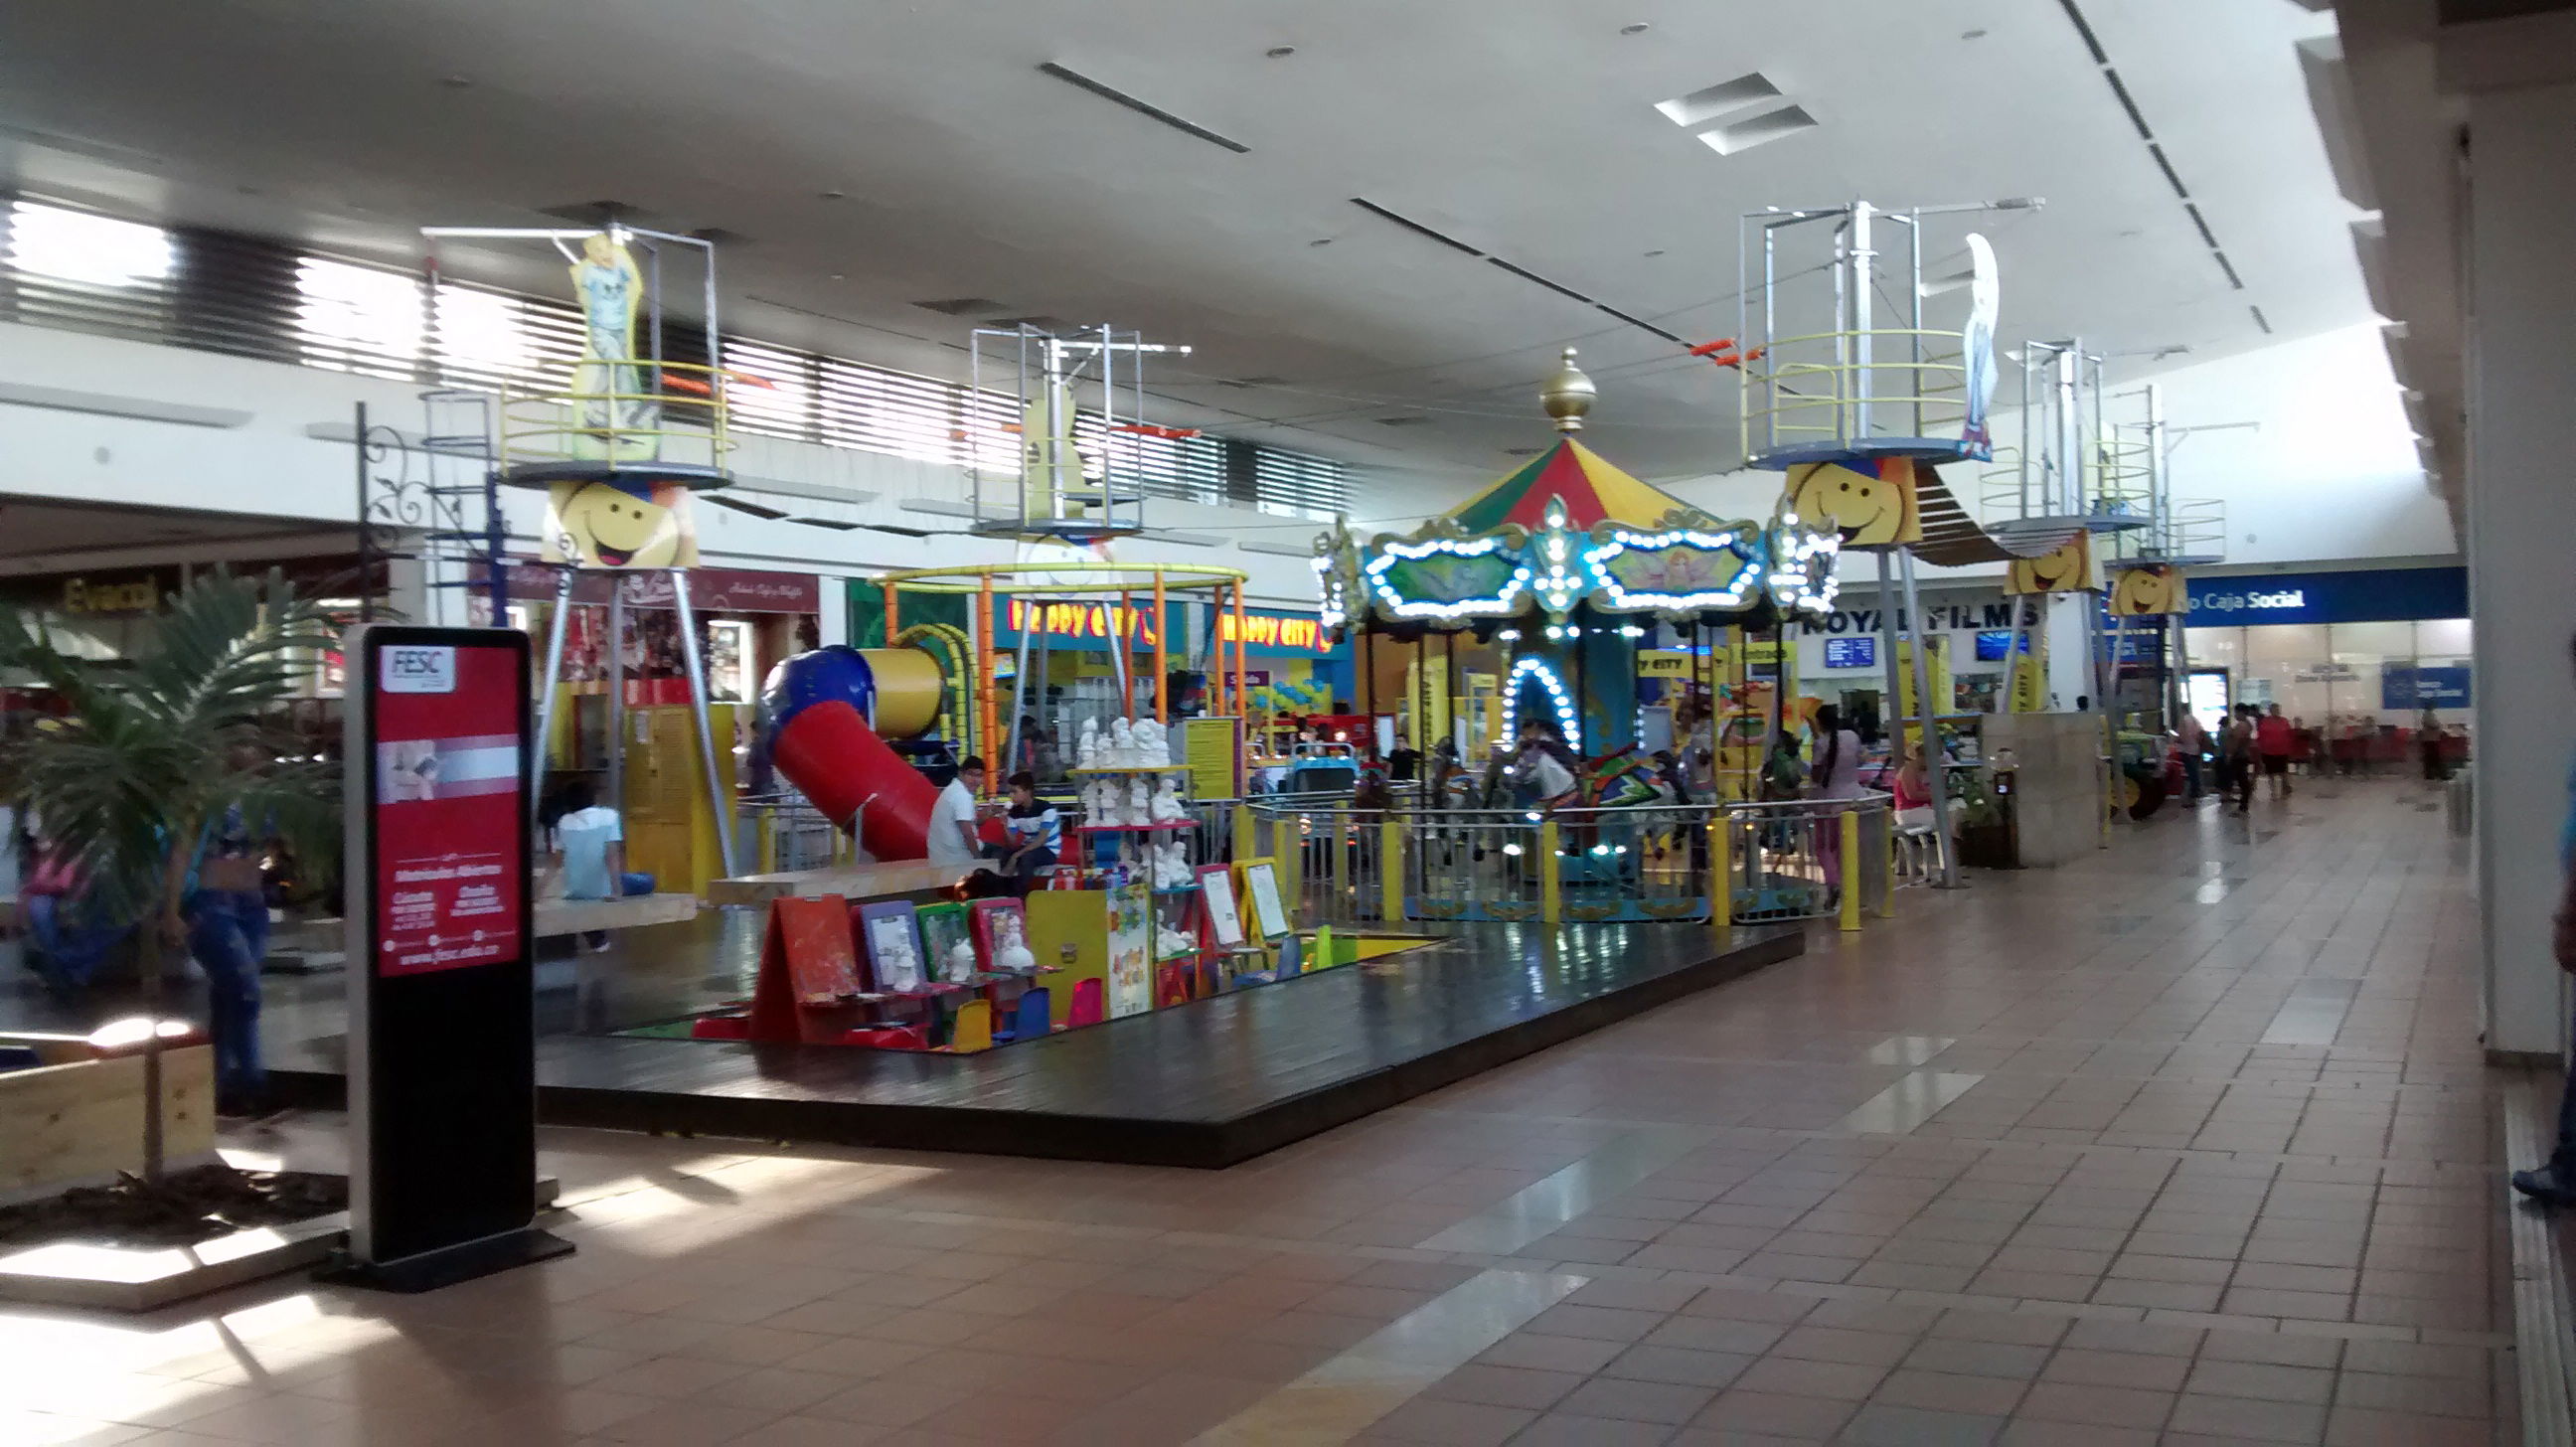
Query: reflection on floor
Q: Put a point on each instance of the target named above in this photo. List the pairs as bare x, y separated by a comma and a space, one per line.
2021, 1169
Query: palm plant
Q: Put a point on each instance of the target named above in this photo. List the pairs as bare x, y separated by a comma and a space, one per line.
148, 754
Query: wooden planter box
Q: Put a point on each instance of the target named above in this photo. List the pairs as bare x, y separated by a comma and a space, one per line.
77, 1119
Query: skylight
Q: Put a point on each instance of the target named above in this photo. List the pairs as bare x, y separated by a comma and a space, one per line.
77, 246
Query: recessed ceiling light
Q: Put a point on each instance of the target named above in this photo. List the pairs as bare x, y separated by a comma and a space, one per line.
1639, 28
836, 276
832, 195
1280, 52
456, 82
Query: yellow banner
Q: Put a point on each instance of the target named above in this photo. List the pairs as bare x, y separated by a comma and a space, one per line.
1208, 746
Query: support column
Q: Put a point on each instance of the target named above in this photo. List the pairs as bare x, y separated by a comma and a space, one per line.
617, 694
832, 613
1927, 712
2522, 594
1891, 713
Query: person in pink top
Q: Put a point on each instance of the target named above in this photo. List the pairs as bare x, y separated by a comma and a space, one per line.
2272, 741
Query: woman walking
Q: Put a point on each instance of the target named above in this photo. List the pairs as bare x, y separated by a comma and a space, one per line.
1836, 773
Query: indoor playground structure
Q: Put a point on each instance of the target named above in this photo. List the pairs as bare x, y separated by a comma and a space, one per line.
1150, 895
835, 714
620, 439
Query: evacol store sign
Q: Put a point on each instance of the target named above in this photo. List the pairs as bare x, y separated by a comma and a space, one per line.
2376, 595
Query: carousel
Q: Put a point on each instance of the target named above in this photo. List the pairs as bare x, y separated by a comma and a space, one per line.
1570, 571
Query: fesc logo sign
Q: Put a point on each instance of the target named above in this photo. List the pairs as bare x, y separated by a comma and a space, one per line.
418, 668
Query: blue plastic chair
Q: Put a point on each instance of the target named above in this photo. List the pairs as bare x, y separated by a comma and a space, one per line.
1030, 1018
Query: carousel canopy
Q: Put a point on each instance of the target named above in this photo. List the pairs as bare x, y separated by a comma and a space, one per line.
1569, 531
1593, 490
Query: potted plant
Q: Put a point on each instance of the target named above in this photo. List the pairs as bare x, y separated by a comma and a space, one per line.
152, 753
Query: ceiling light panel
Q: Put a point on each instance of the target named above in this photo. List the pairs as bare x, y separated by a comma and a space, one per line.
1716, 102
1761, 130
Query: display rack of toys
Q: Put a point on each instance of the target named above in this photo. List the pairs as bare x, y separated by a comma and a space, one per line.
885, 973
1136, 827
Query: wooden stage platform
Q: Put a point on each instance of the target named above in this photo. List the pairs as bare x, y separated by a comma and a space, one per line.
1206, 1084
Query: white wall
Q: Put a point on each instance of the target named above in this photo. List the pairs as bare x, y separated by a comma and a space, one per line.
270, 465
2522, 593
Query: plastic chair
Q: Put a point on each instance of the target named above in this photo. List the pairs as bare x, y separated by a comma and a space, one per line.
1029, 1019
974, 1028
1086, 1008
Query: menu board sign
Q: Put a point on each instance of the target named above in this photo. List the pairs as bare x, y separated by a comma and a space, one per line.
448, 815
442, 1013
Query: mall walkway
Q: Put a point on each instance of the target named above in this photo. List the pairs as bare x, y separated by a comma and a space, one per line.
2186, 1143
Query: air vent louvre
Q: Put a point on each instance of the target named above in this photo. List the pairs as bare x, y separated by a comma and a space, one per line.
1141, 107
1409, 224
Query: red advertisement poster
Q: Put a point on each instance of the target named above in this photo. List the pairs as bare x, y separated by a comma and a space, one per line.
447, 813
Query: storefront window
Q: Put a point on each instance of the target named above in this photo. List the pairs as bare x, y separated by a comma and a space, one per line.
2342, 670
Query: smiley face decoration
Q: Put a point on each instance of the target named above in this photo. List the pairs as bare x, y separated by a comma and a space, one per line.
2066, 570
2146, 592
619, 525
1868, 503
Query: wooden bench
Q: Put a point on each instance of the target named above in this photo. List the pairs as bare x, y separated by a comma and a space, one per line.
319, 943
578, 916
917, 880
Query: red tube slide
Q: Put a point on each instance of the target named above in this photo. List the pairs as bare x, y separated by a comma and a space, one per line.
828, 750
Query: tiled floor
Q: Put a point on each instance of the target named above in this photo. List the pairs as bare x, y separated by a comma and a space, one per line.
2186, 1143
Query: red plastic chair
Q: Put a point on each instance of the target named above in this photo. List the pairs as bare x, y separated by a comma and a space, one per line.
1086, 1008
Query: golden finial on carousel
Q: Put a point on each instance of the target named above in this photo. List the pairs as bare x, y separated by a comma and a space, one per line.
1568, 395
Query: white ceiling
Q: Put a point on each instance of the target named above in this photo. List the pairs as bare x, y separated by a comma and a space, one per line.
1525, 128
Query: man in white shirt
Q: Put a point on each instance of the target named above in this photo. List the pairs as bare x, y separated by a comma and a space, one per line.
590, 849
952, 820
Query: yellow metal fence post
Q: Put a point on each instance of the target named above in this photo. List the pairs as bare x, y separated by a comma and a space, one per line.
1721, 873
1243, 845
1849, 824
1887, 878
1551, 901
1390, 871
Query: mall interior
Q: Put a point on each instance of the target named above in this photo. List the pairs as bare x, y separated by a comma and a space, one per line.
1154, 723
